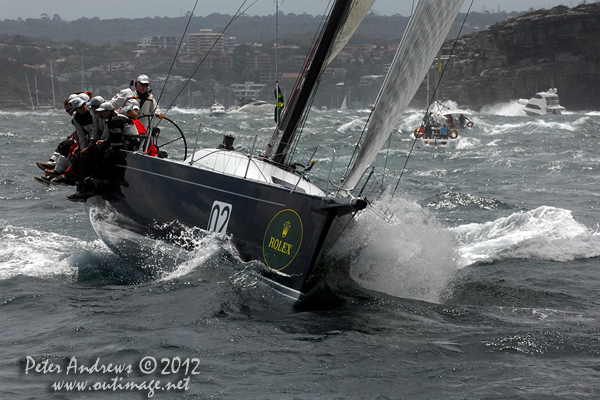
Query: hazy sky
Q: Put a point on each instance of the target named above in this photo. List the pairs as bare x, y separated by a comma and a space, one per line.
107, 9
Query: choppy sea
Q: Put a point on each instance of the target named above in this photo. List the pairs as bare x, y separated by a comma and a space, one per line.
482, 281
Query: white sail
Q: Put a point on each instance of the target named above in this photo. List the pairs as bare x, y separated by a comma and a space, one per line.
358, 11
424, 35
344, 105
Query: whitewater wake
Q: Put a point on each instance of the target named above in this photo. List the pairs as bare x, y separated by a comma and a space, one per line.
545, 233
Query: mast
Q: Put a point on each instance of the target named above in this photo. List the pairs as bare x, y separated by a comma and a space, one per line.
37, 92
300, 100
29, 90
52, 79
277, 113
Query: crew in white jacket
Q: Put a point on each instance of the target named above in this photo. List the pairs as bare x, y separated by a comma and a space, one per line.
140, 97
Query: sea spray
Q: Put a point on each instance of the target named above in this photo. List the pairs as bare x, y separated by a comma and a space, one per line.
407, 254
510, 109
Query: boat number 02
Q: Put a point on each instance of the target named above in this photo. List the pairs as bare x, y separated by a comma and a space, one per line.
219, 217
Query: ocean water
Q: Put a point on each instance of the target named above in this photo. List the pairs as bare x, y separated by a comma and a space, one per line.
478, 278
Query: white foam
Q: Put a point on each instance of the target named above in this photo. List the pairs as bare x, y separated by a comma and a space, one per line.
510, 109
42, 254
411, 121
409, 256
546, 233
468, 143
355, 124
189, 111
207, 247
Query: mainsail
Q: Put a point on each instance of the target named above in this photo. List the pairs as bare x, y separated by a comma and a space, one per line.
424, 35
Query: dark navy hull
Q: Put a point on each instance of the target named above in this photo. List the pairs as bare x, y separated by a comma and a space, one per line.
154, 198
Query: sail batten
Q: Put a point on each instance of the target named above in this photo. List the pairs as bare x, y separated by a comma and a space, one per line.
424, 35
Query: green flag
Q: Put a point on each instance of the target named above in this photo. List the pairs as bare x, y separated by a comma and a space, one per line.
279, 105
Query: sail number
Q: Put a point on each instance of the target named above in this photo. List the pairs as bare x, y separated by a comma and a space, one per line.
220, 214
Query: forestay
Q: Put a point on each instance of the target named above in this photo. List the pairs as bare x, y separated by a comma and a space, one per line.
424, 35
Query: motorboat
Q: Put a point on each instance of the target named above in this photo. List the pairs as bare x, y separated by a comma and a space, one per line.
217, 110
436, 136
458, 119
543, 103
452, 118
440, 125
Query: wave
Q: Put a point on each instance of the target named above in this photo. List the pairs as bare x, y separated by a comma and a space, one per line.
546, 233
510, 109
189, 111
468, 143
44, 254
534, 127
405, 254
354, 125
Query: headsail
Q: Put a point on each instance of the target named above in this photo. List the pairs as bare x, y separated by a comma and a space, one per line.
343, 20
358, 12
424, 35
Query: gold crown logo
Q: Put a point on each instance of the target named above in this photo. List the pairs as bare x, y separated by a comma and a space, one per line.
286, 228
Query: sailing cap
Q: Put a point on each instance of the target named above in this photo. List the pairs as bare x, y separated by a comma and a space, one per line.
77, 102
128, 108
143, 79
96, 101
107, 105
84, 97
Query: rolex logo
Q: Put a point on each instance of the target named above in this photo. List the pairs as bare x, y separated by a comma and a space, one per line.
286, 228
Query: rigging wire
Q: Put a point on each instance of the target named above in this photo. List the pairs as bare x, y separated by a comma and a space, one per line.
434, 92
298, 83
237, 14
177, 52
387, 154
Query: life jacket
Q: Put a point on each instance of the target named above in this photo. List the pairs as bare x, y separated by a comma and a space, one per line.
152, 150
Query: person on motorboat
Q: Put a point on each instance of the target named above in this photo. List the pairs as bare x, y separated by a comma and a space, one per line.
462, 120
